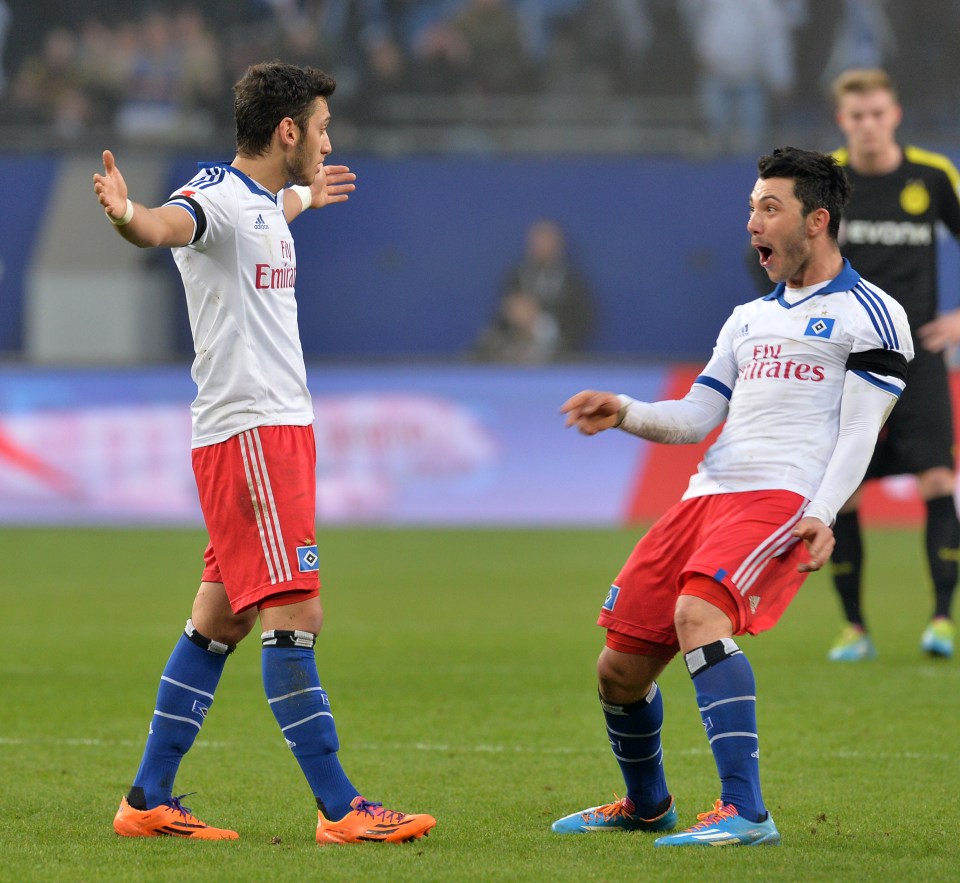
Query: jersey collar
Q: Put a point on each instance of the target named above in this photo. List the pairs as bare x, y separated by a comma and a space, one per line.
843, 281
251, 185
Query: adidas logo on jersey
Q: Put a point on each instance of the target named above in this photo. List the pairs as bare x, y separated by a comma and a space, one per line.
260, 223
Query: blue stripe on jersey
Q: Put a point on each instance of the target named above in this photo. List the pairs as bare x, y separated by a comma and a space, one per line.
182, 203
714, 384
215, 180
879, 316
891, 388
884, 312
208, 176
211, 174
221, 170
255, 188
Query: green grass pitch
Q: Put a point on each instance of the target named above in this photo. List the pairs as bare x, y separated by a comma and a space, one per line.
460, 665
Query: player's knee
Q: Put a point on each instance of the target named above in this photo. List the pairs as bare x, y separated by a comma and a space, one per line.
698, 621
314, 621
229, 629
686, 619
286, 612
936, 483
242, 624
618, 681
303, 621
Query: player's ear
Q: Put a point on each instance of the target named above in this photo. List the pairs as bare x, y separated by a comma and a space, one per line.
817, 221
288, 132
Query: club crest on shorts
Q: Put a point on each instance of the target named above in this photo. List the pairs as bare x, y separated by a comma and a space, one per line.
611, 597
819, 326
308, 558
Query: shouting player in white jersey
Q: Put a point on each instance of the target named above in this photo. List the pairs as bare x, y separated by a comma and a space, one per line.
802, 379
254, 453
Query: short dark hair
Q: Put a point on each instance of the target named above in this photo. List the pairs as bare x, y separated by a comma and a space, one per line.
818, 180
270, 91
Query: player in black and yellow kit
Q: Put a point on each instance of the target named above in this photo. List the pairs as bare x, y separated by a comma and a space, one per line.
900, 193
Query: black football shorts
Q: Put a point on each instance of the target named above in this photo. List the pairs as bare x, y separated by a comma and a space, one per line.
918, 435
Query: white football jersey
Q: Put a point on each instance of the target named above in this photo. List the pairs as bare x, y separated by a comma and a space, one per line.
239, 274
780, 362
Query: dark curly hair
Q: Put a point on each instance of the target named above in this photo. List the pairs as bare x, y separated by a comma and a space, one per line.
267, 93
818, 180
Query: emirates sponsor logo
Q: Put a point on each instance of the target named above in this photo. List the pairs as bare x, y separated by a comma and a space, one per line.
275, 277
769, 363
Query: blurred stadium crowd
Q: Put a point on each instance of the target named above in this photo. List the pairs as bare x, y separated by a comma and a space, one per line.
700, 76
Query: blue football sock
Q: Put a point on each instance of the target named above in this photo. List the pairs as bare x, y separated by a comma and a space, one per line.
302, 709
183, 700
726, 695
634, 733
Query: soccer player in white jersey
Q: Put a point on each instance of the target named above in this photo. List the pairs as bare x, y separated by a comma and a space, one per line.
803, 380
254, 453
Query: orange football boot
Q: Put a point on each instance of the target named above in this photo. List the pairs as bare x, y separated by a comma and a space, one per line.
371, 822
167, 820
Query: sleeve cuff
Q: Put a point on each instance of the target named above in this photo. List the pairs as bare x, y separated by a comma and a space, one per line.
625, 403
819, 509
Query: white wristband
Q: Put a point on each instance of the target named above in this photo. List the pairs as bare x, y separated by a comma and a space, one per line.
305, 194
126, 217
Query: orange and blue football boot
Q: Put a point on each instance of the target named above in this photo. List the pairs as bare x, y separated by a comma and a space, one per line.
617, 816
724, 826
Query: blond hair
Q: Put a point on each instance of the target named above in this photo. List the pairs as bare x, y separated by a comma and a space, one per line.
860, 81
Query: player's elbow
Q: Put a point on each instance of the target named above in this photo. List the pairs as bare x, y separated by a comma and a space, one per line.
139, 239
677, 436
697, 434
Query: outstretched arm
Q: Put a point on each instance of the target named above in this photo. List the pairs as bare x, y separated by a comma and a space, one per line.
165, 226
674, 421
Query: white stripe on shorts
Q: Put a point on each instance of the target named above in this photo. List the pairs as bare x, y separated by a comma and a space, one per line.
264, 506
776, 544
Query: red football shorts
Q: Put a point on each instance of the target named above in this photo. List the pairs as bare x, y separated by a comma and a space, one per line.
258, 495
741, 540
